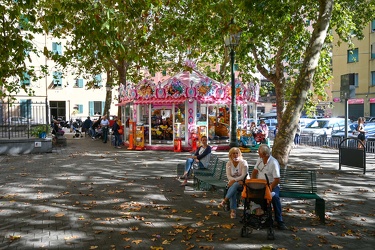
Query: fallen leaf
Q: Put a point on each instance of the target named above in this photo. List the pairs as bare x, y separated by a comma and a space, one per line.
14, 237
136, 241
337, 247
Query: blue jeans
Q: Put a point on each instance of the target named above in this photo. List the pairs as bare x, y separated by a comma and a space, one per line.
117, 140
296, 139
232, 195
277, 204
189, 164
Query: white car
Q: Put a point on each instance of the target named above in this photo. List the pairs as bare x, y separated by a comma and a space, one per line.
321, 129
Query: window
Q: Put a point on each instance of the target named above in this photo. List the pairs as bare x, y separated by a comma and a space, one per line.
235, 67
98, 80
57, 79
80, 108
164, 73
373, 25
23, 22
356, 84
96, 108
373, 51
25, 80
353, 55
79, 83
372, 78
56, 48
25, 108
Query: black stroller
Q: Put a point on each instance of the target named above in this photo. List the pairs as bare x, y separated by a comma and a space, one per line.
257, 212
76, 131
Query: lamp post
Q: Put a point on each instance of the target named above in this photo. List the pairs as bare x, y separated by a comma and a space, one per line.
232, 41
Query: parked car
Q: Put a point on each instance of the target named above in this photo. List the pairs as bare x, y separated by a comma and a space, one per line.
321, 129
370, 119
352, 132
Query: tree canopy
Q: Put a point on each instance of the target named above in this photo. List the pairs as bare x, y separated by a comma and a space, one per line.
288, 42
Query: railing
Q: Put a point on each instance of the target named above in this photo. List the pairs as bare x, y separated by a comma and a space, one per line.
17, 119
332, 142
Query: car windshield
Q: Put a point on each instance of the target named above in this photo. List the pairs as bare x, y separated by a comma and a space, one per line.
317, 124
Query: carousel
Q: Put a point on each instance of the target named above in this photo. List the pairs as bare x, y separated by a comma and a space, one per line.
176, 113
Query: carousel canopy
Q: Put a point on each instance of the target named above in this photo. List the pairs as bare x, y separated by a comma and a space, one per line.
189, 84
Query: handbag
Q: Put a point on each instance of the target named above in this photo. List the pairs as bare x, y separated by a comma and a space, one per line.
120, 131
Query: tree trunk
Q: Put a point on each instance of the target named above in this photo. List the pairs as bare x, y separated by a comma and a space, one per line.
290, 117
108, 96
122, 70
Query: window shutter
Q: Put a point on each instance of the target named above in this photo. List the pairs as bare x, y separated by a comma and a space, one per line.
80, 108
25, 79
98, 80
57, 78
91, 108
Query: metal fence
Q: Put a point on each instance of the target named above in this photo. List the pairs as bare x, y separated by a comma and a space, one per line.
17, 119
333, 142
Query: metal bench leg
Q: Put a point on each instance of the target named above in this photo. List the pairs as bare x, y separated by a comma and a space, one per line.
320, 209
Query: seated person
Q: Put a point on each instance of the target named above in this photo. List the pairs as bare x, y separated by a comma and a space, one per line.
268, 165
201, 156
56, 130
236, 170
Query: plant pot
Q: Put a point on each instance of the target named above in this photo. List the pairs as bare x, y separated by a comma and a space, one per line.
42, 135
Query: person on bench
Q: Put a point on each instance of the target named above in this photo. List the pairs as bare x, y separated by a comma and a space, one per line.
236, 170
268, 165
201, 156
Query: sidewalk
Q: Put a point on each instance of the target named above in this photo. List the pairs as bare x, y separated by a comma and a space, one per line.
90, 195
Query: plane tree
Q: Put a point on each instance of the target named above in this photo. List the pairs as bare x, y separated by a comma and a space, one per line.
115, 37
288, 42
16, 35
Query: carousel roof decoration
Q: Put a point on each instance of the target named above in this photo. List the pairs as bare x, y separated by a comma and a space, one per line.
190, 84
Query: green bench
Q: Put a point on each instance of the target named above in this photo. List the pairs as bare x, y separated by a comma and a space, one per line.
215, 179
207, 171
301, 184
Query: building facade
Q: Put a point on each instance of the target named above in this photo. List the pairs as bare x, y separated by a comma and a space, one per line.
354, 73
66, 92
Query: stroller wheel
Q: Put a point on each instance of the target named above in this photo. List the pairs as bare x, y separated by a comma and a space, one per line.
243, 232
246, 231
270, 234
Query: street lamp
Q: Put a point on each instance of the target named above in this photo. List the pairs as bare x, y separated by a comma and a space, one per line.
232, 41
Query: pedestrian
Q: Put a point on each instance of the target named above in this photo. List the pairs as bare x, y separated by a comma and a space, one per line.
263, 128
268, 165
87, 124
200, 156
104, 124
237, 172
361, 129
297, 136
95, 127
115, 131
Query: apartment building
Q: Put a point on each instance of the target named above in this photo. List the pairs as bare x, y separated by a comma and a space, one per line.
356, 67
66, 92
